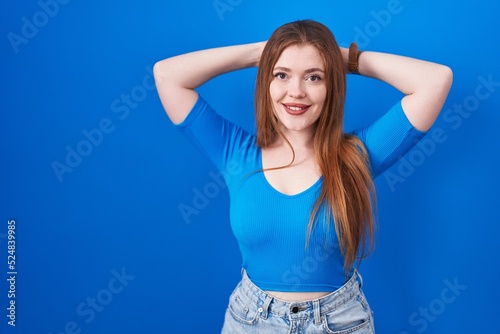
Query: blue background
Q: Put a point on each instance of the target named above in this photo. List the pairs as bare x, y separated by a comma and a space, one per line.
117, 211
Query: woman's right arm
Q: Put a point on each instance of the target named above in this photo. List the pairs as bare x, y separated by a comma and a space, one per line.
177, 77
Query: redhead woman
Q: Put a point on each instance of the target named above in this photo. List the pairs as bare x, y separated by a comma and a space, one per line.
305, 195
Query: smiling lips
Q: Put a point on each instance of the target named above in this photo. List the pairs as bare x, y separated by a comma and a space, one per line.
295, 108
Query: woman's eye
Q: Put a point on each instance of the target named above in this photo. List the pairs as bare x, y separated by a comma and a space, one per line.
280, 75
314, 78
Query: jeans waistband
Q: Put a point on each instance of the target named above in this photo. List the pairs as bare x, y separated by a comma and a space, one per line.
316, 307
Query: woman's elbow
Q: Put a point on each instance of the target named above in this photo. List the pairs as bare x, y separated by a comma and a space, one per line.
160, 70
445, 77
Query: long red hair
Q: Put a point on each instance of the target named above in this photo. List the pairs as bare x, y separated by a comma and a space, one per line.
348, 189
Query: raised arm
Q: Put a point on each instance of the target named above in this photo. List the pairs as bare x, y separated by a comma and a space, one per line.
425, 84
177, 77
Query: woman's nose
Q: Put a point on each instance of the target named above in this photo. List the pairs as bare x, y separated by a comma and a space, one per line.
296, 89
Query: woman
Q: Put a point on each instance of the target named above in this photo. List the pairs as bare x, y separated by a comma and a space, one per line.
302, 201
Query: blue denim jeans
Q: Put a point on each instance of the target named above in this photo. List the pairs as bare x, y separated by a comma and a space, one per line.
252, 310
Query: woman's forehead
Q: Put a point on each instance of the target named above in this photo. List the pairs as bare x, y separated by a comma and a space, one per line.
300, 57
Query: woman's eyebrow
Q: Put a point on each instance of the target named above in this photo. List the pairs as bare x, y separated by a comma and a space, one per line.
284, 69
309, 70
314, 69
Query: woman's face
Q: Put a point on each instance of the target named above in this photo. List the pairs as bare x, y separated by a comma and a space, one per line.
298, 88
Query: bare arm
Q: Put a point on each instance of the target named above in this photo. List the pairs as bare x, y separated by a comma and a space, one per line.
177, 77
425, 84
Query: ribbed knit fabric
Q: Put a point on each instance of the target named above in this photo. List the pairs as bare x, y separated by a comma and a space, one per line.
271, 227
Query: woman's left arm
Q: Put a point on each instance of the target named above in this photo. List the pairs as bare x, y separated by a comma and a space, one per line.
425, 84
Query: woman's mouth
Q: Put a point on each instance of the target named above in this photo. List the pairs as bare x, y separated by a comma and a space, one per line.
295, 108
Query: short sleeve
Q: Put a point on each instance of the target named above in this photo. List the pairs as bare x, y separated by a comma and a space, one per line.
388, 139
218, 139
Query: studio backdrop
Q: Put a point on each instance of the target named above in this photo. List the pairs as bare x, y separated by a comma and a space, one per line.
112, 222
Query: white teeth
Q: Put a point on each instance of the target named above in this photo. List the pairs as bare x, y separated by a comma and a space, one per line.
295, 108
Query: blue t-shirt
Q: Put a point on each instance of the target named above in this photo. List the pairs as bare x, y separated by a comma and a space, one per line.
271, 227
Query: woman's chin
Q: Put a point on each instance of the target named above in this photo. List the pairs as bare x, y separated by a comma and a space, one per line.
294, 127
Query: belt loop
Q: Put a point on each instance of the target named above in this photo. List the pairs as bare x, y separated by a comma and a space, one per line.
265, 307
317, 312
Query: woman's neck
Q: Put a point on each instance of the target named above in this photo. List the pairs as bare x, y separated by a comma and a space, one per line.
302, 146
301, 141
